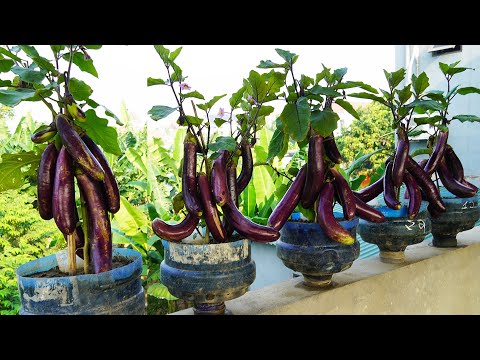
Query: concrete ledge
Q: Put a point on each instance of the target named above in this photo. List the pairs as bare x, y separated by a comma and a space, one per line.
431, 281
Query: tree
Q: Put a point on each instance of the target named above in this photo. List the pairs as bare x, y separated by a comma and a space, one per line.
370, 133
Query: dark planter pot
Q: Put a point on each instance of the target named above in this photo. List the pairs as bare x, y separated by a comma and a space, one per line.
115, 292
461, 215
208, 274
304, 247
393, 236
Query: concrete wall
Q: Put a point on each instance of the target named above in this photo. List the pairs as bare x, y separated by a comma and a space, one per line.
270, 269
431, 281
464, 137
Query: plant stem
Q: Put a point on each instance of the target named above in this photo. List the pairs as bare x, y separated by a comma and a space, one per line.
273, 168
72, 257
294, 81
49, 106
86, 245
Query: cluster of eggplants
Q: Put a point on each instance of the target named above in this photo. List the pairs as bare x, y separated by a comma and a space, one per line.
316, 182
79, 157
203, 197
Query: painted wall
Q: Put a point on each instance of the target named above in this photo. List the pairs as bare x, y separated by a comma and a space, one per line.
464, 137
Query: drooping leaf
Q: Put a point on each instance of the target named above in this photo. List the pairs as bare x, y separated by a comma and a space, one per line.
193, 94
296, 119
268, 64
276, 145
159, 112
106, 136
364, 95
15, 167
427, 120
9, 54
352, 84
357, 163
468, 90
320, 90
324, 122
348, 108
6, 65
14, 97
426, 104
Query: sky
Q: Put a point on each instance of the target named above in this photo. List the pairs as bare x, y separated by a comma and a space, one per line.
211, 69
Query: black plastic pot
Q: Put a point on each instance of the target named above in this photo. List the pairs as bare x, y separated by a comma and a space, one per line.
461, 215
115, 292
208, 274
304, 247
393, 236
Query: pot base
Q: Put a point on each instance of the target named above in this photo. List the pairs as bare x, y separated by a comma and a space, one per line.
392, 257
444, 242
211, 309
317, 282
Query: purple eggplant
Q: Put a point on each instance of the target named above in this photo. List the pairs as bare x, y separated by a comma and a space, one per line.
437, 153
344, 193
451, 184
63, 198
389, 189
414, 195
315, 171
247, 167
45, 180
189, 179
366, 212
210, 212
331, 149
219, 179
176, 232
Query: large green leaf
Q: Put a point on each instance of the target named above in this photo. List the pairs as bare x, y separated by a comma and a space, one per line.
130, 219
287, 56
364, 95
426, 104
463, 118
276, 145
29, 75
29, 50
468, 90
9, 54
324, 122
79, 89
320, 90
83, 64
14, 97
106, 136
296, 119
152, 81
163, 52
257, 86
6, 65
136, 160
249, 199
160, 291
174, 54
269, 64
15, 167
223, 143
193, 94
236, 97
420, 83
404, 94
348, 108
159, 112
352, 84
395, 77
427, 120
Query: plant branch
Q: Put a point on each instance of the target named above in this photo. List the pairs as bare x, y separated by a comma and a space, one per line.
280, 173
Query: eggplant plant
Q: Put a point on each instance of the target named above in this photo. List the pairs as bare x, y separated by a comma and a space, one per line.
68, 148
212, 150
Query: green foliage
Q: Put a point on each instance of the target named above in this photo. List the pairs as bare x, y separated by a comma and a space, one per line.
24, 236
366, 135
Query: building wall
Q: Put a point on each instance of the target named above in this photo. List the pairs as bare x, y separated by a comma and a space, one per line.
464, 137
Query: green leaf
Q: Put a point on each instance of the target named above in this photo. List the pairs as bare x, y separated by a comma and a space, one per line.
130, 219
451, 92
194, 120
151, 81
364, 95
5, 83
296, 119
93, 104
320, 90
57, 48
355, 183
395, 77
468, 90
275, 80
223, 143
463, 118
338, 74
436, 96
97, 128
178, 202
174, 54
264, 211
135, 158
426, 104
415, 133
422, 151
160, 291
219, 121
324, 122
237, 97
6, 65
257, 86
84, 65
163, 52
420, 83
287, 55
29, 50
15, 167
268, 64
441, 127
427, 120
352, 84
444, 68
79, 89
192, 94
348, 108
358, 162
93, 47
321, 75
276, 145
213, 101
159, 112
9, 54
404, 94
249, 199
29, 75
14, 97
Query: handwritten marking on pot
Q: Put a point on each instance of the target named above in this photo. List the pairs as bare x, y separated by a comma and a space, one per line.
469, 205
419, 222
207, 254
49, 290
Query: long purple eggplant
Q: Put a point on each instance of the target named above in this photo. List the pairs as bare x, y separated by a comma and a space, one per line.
371, 191
45, 180
289, 201
345, 194
247, 167
415, 197
426, 185
219, 179
421, 163
78, 150
456, 167
248, 228
331, 149
99, 229
210, 212
451, 184
326, 219
189, 179
400, 158
389, 189
315, 171
112, 195
437, 153
366, 212
63, 198
175, 232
